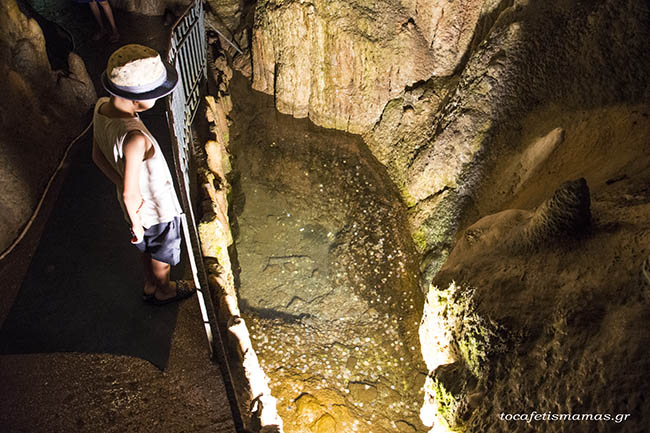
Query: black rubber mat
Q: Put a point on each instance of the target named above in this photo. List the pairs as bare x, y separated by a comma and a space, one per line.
83, 289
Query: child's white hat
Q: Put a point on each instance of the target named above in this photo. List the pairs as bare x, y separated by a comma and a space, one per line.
138, 73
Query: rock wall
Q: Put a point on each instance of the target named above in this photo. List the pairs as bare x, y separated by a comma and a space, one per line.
554, 325
250, 382
339, 62
517, 76
228, 13
477, 107
41, 111
441, 90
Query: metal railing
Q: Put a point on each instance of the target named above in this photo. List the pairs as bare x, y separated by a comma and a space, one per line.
187, 52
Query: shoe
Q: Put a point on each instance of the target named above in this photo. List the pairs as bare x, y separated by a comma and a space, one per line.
184, 290
147, 298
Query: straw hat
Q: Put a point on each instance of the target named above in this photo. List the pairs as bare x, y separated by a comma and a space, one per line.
138, 73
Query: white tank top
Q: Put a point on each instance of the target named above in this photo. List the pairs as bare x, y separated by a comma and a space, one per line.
156, 185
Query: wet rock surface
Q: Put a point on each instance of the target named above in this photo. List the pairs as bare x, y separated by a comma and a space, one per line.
327, 273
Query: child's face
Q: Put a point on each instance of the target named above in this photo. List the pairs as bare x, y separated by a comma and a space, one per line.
144, 105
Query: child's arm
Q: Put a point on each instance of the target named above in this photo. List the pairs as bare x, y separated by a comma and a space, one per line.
135, 146
100, 161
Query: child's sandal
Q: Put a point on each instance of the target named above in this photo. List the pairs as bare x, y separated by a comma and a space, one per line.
184, 290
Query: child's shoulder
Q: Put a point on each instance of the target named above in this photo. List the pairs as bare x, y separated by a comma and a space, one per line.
100, 102
98, 117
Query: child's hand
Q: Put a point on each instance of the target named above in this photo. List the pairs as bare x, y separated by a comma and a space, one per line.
137, 234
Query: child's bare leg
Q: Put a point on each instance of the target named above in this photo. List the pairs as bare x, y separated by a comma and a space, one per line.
165, 289
98, 17
111, 20
149, 279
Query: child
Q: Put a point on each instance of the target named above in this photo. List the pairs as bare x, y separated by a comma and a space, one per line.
127, 153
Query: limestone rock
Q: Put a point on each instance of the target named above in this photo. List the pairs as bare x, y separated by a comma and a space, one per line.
363, 392
404, 127
566, 214
343, 65
37, 101
554, 329
339, 62
325, 424
453, 117
242, 63
227, 12
405, 427
308, 408
75, 88
477, 107
451, 384
501, 129
218, 158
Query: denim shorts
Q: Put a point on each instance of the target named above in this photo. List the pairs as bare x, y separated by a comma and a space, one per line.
163, 241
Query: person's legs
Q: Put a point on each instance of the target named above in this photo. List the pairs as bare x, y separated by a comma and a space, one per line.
111, 20
98, 17
149, 279
162, 243
165, 289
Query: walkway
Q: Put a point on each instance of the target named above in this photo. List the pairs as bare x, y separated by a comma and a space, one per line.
77, 392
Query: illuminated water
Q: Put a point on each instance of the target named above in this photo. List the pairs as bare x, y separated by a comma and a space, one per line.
328, 276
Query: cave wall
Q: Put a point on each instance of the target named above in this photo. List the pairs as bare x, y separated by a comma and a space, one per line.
228, 10
339, 62
441, 91
546, 311
476, 108
41, 111
521, 70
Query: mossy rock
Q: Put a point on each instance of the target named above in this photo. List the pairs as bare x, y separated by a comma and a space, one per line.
451, 384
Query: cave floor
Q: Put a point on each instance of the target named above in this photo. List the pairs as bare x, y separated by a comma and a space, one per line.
76, 392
